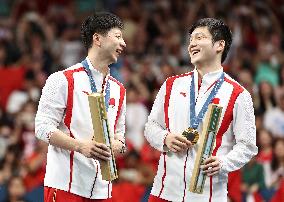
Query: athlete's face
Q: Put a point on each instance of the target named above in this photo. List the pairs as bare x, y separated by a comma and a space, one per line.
112, 44
201, 48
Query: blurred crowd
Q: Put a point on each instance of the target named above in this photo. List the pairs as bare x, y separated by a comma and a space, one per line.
38, 38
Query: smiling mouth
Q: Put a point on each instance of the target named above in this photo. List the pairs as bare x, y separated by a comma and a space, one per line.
195, 52
119, 51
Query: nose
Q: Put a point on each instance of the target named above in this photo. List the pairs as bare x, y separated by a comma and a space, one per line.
191, 45
122, 43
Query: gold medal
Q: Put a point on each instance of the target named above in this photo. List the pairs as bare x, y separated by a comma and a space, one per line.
191, 135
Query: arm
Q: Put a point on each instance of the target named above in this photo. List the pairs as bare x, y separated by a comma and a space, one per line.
118, 142
89, 148
245, 135
50, 113
155, 129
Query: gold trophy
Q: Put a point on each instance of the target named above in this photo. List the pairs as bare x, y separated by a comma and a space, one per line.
205, 147
102, 133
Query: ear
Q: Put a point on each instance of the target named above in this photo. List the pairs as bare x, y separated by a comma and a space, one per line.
96, 39
220, 46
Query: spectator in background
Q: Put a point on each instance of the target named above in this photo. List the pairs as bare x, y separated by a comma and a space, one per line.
34, 167
70, 47
269, 45
264, 141
134, 178
10, 165
279, 90
259, 120
144, 175
32, 38
266, 99
28, 92
277, 164
245, 79
253, 180
16, 190
266, 69
274, 171
274, 119
3, 55
5, 138
24, 130
136, 117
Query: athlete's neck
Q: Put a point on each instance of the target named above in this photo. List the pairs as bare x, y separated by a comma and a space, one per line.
202, 70
99, 63
209, 65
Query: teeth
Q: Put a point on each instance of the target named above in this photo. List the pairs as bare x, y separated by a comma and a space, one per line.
194, 52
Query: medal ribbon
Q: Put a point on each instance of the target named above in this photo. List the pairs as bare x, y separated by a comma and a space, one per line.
195, 120
93, 84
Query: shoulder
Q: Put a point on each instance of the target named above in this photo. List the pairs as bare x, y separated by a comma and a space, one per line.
55, 82
117, 82
56, 77
170, 80
178, 79
179, 76
238, 89
239, 94
75, 68
236, 85
61, 77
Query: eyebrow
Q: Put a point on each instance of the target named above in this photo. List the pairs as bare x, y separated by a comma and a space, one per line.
197, 33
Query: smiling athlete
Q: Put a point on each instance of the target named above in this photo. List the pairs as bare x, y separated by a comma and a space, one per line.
182, 103
64, 121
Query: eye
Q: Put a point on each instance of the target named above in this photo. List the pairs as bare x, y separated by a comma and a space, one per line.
118, 37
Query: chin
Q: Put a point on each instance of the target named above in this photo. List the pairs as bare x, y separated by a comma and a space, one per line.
113, 59
194, 61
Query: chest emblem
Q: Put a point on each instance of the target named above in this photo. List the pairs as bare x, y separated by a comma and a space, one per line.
183, 94
111, 102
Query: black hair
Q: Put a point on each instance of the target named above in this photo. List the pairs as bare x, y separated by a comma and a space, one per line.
262, 106
275, 164
219, 31
30, 75
99, 23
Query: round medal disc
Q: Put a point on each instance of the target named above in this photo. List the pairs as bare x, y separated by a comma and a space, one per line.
191, 135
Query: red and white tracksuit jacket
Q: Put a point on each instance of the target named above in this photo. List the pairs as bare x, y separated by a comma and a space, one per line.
235, 142
64, 105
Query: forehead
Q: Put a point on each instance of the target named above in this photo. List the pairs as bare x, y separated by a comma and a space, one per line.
115, 31
201, 30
